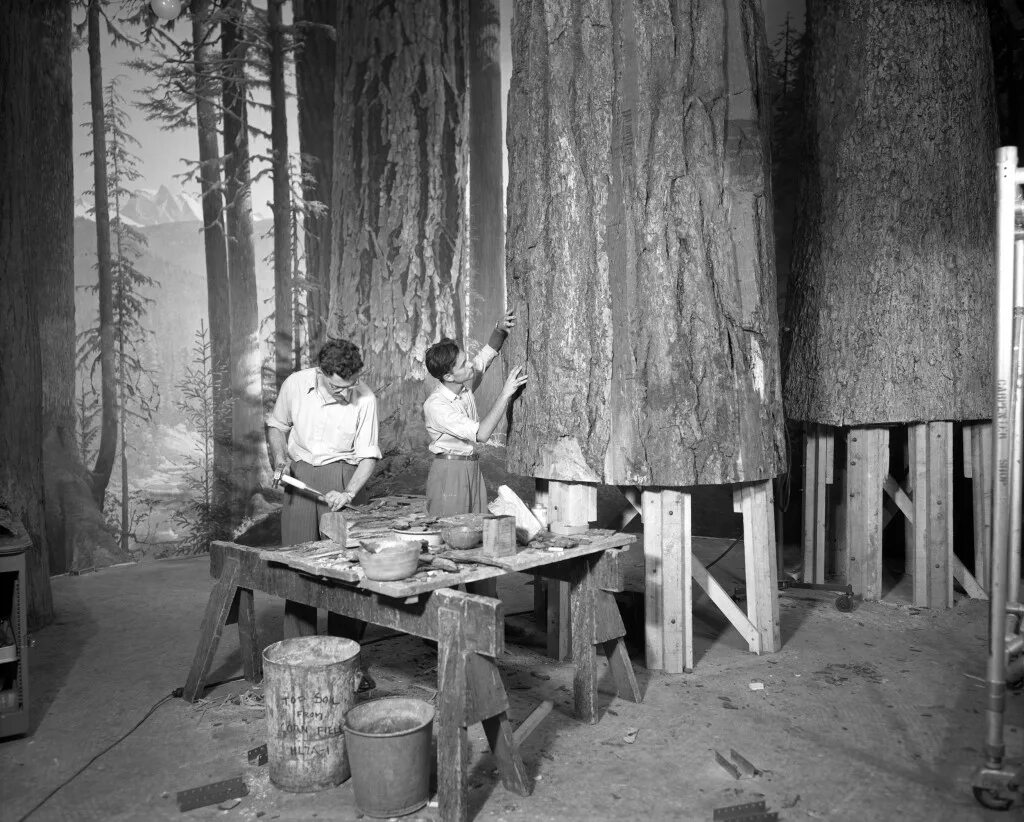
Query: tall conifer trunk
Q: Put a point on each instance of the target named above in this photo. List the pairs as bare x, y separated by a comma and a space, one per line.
108, 393
315, 60
282, 198
248, 455
217, 288
398, 195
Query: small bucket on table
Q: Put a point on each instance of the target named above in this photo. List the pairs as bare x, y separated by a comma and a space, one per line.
389, 749
309, 686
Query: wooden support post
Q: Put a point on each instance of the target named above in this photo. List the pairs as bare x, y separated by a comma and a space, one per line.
978, 457
756, 501
940, 514
867, 466
668, 600
930, 529
571, 503
819, 454
540, 591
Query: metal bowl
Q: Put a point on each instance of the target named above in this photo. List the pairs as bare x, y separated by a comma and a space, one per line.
386, 560
462, 536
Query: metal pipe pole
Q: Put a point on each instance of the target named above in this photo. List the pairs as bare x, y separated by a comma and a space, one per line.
1006, 177
1016, 420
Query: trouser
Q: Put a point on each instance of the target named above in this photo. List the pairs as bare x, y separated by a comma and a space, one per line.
455, 487
300, 513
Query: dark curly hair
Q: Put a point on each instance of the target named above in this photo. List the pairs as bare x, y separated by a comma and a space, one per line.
340, 357
441, 357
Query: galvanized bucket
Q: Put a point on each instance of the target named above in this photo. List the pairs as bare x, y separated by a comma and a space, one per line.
389, 750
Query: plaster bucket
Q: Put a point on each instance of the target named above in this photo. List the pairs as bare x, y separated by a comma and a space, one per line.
308, 687
389, 750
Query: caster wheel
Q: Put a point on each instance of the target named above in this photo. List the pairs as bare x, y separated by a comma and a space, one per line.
844, 604
992, 800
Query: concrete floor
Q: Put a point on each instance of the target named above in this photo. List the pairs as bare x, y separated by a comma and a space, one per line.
874, 715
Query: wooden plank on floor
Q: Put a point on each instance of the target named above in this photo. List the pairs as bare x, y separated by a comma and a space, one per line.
654, 642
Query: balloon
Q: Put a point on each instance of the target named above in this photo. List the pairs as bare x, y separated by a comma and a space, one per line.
166, 9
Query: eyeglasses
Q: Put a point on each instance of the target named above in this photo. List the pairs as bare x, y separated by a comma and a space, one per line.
336, 383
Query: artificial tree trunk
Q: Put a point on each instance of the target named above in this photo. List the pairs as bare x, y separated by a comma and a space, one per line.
893, 298
214, 243
249, 462
397, 195
640, 245
35, 39
485, 276
315, 59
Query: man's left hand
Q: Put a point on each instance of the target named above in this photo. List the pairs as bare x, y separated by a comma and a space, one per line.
508, 322
338, 499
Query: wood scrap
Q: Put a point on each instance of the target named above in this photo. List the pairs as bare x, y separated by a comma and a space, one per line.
508, 503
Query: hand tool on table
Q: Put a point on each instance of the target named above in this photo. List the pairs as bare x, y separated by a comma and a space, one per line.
299, 485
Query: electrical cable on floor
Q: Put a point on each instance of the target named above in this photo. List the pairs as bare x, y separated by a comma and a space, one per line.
177, 692
734, 543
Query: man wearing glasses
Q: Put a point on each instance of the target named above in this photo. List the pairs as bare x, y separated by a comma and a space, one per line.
323, 431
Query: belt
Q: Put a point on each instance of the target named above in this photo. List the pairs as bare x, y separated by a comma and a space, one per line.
457, 456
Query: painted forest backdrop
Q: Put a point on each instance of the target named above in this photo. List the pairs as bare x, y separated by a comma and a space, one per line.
155, 382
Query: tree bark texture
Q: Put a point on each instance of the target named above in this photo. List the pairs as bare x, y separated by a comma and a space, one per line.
214, 242
282, 198
35, 37
55, 276
315, 60
248, 451
485, 277
398, 195
107, 450
640, 250
893, 295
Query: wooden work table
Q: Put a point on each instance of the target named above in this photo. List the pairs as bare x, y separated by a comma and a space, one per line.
469, 629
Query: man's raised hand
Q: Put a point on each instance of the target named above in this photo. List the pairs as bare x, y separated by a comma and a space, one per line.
516, 379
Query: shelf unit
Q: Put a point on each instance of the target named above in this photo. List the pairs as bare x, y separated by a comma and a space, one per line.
14, 700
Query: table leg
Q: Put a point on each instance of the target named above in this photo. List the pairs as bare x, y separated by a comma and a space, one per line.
452, 741
582, 604
346, 627
218, 607
248, 639
611, 633
299, 619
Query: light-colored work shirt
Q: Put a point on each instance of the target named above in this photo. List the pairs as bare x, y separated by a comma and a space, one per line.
452, 419
322, 429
